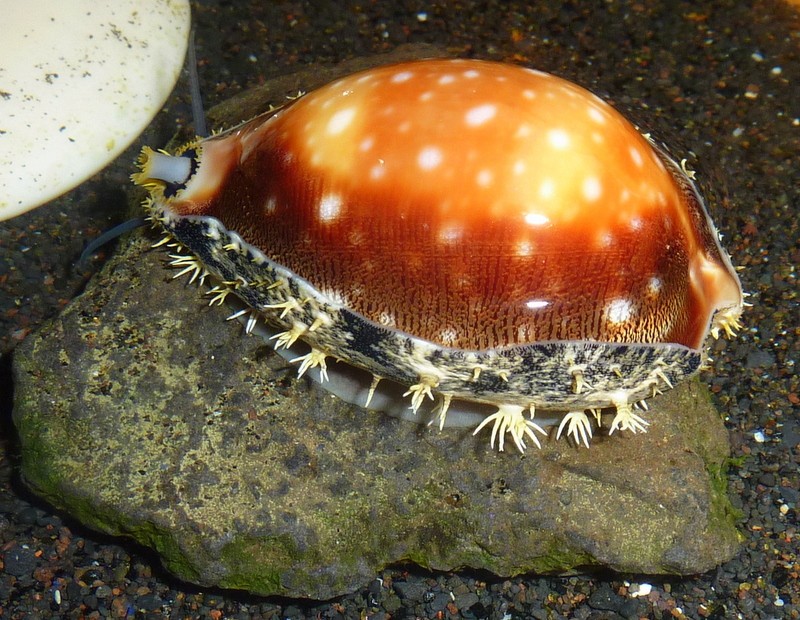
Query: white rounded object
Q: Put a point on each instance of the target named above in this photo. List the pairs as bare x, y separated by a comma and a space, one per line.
79, 81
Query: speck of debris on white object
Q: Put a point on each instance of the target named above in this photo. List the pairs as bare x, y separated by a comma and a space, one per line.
422, 16
757, 56
776, 70
643, 589
759, 436
80, 81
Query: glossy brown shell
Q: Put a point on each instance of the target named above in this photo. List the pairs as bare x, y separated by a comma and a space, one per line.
468, 213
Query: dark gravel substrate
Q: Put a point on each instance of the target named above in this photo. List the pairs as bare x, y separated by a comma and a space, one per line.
718, 78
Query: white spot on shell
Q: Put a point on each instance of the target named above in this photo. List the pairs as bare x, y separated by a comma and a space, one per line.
403, 76
592, 188
484, 178
558, 139
619, 311
654, 285
429, 158
536, 304
480, 114
330, 206
377, 171
471, 74
596, 115
536, 219
636, 156
547, 189
366, 144
528, 94
519, 167
523, 131
447, 79
340, 121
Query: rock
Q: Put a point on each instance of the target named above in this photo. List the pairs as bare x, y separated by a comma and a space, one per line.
19, 561
143, 413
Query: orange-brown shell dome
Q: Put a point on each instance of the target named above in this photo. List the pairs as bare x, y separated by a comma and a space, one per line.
467, 207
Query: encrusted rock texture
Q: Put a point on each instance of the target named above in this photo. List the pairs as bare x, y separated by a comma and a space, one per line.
143, 413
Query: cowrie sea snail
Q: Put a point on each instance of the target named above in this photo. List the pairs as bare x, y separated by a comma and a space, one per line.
472, 241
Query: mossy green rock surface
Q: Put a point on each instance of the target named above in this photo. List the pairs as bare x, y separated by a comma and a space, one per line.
143, 413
